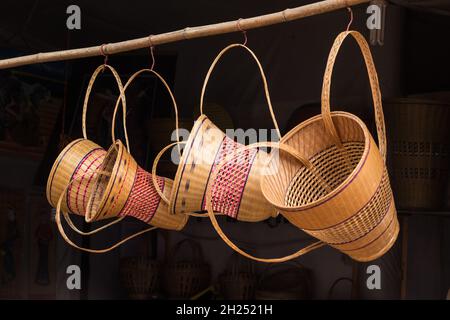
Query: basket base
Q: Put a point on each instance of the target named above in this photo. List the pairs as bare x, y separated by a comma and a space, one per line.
373, 250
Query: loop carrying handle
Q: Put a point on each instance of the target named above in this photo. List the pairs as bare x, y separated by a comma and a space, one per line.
263, 76
130, 80
66, 217
374, 85
120, 98
215, 224
155, 165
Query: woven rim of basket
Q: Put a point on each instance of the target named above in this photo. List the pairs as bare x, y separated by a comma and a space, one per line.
180, 168
344, 183
118, 150
56, 166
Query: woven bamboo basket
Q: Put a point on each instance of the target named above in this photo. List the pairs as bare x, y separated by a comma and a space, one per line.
184, 278
239, 280
76, 159
206, 146
287, 281
356, 214
140, 276
419, 151
128, 190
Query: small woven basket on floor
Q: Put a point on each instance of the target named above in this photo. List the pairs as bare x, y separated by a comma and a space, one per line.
355, 213
419, 154
184, 278
287, 281
140, 276
207, 145
239, 280
128, 190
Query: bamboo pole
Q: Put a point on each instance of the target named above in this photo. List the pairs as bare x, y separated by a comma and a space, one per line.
184, 34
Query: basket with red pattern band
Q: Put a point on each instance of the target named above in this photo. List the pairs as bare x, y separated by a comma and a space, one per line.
77, 158
206, 146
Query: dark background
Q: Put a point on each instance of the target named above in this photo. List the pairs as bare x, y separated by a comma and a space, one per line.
413, 60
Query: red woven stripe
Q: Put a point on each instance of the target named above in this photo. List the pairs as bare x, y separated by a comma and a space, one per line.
228, 187
143, 200
90, 162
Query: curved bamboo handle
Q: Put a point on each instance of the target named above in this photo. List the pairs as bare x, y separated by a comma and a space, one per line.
155, 165
374, 85
130, 80
263, 76
208, 201
120, 98
66, 216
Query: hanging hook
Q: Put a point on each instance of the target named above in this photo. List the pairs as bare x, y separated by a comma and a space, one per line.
152, 47
243, 31
351, 18
102, 51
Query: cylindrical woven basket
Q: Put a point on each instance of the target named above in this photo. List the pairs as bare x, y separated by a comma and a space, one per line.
77, 158
183, 279
286, 281
419, 156
129, 190
140, 276
239, 280
356, 212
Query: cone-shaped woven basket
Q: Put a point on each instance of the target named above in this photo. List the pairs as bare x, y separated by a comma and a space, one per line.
129, 191
240, 198
236, 190
358, 215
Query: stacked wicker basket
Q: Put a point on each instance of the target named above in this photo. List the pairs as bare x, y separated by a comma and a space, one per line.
327, 176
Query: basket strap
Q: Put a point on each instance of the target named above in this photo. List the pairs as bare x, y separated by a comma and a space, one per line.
120, 98
130, 80
66, 217
374, 85
208, 202
263, 76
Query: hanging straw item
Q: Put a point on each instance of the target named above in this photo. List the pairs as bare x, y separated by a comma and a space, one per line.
206, 146
358, 217
127, 189
419, 151
183, 278
66, 217
77, 158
